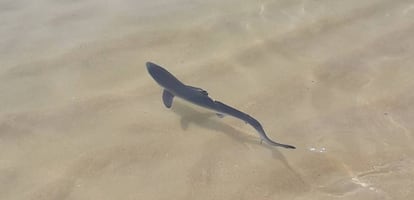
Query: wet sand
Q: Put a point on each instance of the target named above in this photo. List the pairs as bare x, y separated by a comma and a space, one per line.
80, 118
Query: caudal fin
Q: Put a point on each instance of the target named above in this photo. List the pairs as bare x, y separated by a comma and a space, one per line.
271, 142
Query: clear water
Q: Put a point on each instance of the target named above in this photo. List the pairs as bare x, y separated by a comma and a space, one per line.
80, 118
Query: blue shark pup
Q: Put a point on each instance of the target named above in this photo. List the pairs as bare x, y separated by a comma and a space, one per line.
173, 87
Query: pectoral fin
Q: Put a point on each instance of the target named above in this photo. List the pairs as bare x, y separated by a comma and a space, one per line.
167, 98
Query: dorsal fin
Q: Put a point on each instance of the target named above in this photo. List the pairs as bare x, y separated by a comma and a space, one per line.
198, 90
167, 98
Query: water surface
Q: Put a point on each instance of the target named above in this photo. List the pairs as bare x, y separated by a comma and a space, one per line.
80, 118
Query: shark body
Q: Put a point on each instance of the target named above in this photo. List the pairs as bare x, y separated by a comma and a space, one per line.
175, 88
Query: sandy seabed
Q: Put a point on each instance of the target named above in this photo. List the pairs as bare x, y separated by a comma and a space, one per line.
80, 118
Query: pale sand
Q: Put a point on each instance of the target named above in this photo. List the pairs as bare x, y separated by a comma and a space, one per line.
80, 118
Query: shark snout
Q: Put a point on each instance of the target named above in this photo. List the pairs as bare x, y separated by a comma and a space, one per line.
150, 66
154, 70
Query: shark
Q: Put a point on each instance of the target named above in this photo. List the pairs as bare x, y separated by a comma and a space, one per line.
172, 87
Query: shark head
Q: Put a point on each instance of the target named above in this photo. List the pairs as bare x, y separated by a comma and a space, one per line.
155, 71
161, 75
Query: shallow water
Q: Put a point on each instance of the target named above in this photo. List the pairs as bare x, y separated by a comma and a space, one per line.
80, 118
